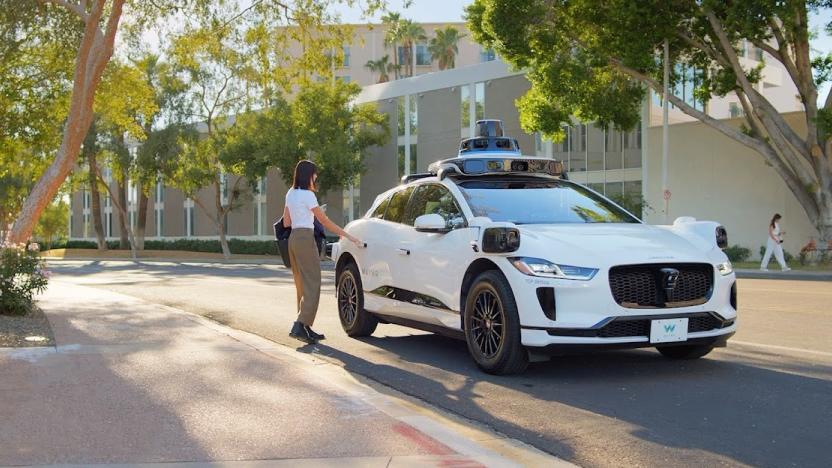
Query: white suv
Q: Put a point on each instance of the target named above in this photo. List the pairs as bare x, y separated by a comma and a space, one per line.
501, 250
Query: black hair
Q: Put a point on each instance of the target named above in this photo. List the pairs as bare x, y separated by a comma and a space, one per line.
774, 220
304, 171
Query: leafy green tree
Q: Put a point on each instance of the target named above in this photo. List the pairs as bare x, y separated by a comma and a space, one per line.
392, 36
333, 133
36, 78
383, 67
321, 124
53, 223
596, 59
100, 20
444, 46
410, 33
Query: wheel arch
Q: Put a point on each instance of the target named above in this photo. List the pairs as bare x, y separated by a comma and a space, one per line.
474, 269
343, 260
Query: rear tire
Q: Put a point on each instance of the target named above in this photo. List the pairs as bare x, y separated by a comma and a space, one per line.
492, 326
354, 319
685, 351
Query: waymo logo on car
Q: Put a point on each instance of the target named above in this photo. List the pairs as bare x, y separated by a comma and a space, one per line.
669, 328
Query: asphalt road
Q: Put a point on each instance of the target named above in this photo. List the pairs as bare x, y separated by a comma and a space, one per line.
766, 400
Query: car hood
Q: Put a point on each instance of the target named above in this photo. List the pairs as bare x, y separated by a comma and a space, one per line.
596, 245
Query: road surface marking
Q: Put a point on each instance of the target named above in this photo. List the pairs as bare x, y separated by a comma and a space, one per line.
780, 348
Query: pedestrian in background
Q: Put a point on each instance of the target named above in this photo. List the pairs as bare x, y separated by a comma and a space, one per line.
300, 213
774, 244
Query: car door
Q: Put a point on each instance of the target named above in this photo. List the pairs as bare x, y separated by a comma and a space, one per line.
382, 269
436, 262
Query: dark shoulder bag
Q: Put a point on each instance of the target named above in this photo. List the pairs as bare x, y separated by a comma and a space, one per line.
281, 236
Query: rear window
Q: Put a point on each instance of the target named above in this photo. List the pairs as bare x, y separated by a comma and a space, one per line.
395, 210
536, 201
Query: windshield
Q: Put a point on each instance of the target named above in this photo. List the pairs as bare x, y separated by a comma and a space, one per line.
525, 201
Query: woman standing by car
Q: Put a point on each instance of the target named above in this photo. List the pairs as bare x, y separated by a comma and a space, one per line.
300, 213
774, 244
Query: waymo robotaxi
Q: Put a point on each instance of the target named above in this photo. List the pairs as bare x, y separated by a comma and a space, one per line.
503, 251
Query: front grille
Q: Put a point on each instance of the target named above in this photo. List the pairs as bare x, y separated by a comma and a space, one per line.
619, 328
703, 323
640, 327
646, 286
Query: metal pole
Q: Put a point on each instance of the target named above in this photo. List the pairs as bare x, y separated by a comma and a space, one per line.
665, 141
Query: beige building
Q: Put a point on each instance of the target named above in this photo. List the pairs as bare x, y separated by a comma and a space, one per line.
368, 44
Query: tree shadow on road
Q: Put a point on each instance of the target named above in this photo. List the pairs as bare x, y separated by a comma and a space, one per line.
717, 410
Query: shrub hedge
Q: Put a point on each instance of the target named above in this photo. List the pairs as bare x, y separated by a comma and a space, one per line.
237, 246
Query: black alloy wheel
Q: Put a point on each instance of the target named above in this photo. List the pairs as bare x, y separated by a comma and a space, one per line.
354, 319
492, 325
488, 323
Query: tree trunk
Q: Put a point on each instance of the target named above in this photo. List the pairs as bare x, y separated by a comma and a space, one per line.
220, 219
124, 224
94, 52
226, 251
89, 152
141, 223
95, 195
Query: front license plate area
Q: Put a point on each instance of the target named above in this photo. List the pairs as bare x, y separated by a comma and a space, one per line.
668, 330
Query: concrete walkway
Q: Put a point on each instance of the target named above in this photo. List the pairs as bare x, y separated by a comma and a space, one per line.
132, 383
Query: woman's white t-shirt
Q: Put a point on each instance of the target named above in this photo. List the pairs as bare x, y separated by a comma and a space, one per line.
300, 203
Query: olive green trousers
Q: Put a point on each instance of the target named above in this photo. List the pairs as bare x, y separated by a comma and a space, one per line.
306, 270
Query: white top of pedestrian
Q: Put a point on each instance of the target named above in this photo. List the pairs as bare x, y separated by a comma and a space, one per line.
300, 203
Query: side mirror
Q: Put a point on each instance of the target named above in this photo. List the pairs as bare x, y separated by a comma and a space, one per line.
431, 223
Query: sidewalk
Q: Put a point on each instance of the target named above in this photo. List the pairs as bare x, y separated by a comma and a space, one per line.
134, 383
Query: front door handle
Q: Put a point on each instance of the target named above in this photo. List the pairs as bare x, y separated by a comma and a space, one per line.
404, 251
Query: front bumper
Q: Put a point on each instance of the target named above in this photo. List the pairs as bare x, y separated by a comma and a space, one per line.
637, 337
586, 313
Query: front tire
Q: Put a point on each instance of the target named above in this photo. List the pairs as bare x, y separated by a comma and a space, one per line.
685, 351
355, 320
492, 326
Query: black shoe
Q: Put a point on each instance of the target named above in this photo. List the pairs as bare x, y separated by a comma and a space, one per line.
300, 332
313, 334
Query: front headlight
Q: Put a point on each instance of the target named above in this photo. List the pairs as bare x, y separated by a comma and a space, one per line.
725, 268
539, 267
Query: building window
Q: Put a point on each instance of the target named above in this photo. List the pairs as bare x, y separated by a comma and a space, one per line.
685, 89
466, 127
404, 168
479, 100
735, 110
344, 78
487, 55
346, 56
423, 55
402, 60
190, 219
464, 104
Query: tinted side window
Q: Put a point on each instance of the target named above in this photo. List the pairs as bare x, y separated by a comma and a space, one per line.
434, 199
381, 208
395, 210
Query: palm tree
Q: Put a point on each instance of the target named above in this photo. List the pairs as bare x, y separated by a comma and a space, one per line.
383, 67
410, 33
392, 36
443, 46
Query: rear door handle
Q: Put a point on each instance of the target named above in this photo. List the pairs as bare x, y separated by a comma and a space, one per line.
404, 251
